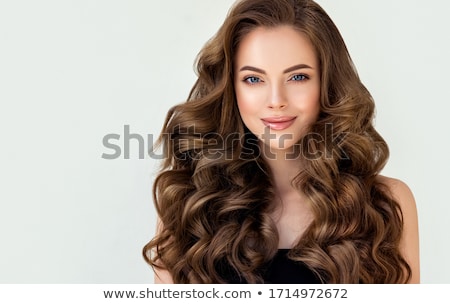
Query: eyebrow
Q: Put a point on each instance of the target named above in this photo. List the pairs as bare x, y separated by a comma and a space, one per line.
292, 68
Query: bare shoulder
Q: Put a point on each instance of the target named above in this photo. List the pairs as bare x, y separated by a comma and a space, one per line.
410, 236
400, 190
162, 276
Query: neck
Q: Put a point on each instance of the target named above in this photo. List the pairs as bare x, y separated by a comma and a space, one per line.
284, 168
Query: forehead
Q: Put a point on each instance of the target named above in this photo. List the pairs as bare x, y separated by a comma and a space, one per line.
274, 48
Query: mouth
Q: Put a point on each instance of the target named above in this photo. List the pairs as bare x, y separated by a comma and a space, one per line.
279, 122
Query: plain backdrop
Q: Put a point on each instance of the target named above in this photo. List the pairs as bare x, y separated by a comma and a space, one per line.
73, 72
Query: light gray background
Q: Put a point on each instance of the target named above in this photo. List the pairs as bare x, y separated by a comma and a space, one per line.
72, 72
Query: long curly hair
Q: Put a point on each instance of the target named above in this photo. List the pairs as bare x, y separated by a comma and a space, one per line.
214, 194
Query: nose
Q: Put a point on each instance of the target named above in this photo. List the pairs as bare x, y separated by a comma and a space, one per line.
277, 97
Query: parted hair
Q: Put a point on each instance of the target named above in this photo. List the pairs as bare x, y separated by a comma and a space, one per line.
214, 194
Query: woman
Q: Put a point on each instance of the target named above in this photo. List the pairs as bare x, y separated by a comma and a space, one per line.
273, 165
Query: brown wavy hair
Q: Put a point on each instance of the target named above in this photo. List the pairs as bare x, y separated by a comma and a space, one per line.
214, 193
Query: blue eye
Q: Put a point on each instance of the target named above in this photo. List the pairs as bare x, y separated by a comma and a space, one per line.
299, 77
252, 80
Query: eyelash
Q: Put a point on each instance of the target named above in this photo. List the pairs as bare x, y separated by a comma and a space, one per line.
304, 77
247, 80
253, 80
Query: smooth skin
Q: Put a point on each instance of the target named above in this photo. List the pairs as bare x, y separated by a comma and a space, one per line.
277, 83
277, 75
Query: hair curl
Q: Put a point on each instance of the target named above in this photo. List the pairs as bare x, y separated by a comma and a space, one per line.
214, 195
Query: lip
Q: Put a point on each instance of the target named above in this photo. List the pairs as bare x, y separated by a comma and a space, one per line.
278, 122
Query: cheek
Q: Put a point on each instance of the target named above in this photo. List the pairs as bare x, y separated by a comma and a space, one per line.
306, 102
245, 108
314, 107
311, 105
247, 103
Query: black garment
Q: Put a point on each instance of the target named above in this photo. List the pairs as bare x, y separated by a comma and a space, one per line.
281, 270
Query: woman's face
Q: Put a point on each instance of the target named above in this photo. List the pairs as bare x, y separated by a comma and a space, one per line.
277, 83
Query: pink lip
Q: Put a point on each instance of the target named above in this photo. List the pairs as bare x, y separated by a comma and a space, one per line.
278, 122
